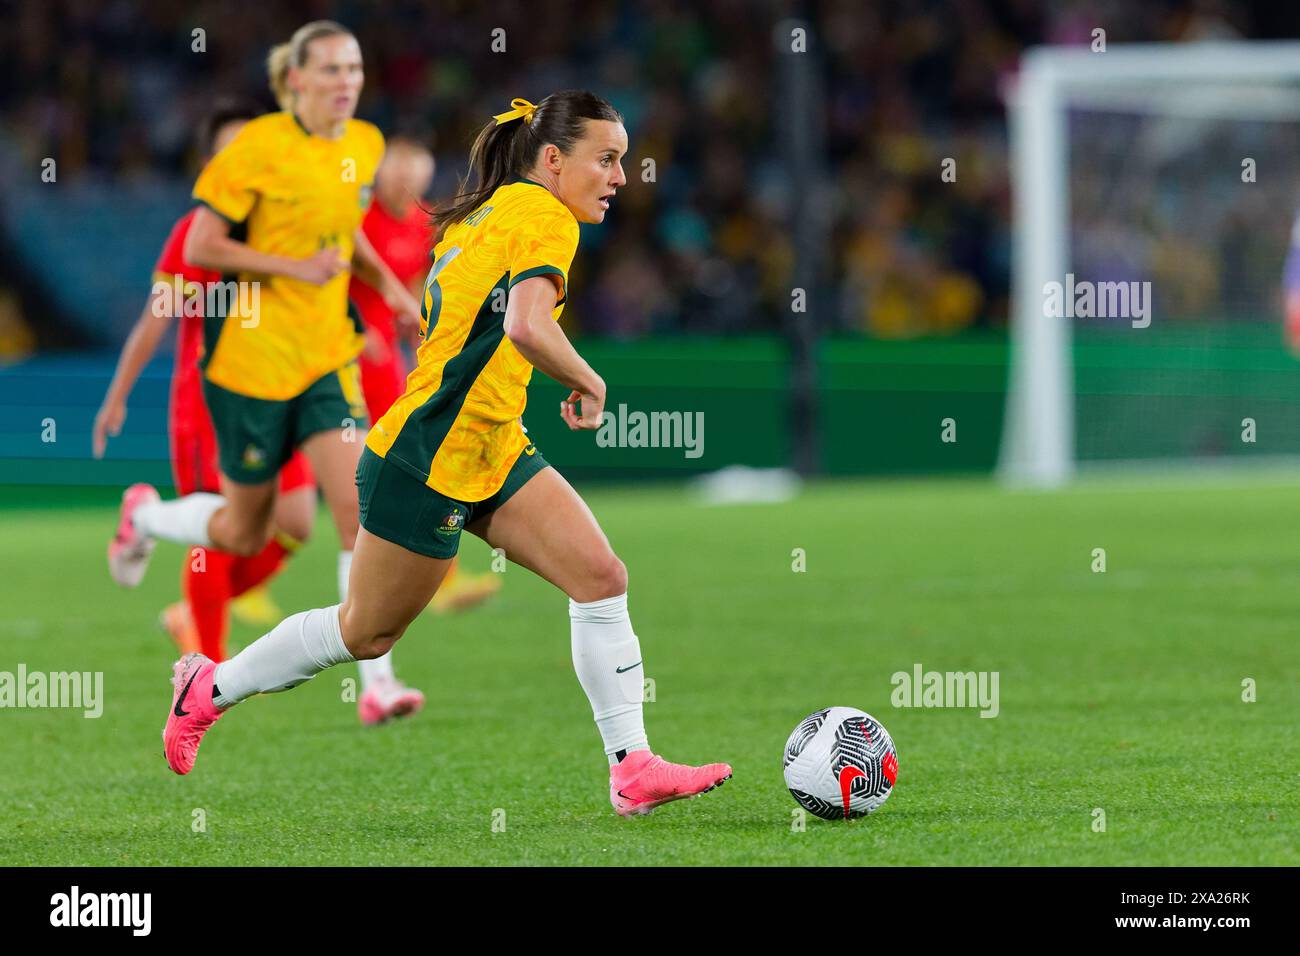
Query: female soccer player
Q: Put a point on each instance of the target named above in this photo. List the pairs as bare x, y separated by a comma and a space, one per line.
399, 230
282, 209
451, 453
209, 585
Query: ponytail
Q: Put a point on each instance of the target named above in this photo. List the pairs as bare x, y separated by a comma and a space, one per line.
506, 148
497, 151
277, 70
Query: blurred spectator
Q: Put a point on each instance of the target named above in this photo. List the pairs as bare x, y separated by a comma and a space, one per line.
698, 241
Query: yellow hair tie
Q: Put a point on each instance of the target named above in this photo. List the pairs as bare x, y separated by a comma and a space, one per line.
518, 108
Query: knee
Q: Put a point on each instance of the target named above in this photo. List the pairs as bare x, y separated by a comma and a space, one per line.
297, 528
366, 640
606, 579
373, 646
247, 542
295, 514
367, 647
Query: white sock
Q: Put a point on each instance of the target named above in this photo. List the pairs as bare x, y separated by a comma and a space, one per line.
378, 669
345, 571
295, 650
183, 520
381, 668
604, 645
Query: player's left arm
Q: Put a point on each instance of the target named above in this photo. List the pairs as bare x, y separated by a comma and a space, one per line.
540, 247
138, 349
370, 268
531, 329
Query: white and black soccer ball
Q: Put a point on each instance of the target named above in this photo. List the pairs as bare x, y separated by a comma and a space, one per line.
840, 763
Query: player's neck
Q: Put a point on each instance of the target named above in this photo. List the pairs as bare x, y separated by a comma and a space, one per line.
545, 178
324, 128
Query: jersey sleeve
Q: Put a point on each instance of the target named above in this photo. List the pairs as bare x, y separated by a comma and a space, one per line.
230, 183
542, 242
171, 261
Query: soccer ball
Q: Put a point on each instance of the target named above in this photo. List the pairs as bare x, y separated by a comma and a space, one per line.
840, 762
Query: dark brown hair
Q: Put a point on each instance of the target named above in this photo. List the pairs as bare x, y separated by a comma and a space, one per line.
503, 153
225, 110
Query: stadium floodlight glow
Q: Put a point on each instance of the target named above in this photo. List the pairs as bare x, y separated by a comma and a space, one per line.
1202, 80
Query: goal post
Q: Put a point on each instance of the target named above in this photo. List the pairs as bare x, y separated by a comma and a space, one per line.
1202, 82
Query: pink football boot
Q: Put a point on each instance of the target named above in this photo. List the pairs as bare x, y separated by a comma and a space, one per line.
385, 699
192, 713
129, 551
642, 781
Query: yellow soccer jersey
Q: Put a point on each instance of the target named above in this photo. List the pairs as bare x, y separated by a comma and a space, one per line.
458, 428
291, 194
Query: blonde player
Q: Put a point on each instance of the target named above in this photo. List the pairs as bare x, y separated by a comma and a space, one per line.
452, 454
212, 586
281, 211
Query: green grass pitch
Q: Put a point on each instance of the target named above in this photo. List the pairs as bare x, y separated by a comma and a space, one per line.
1119, 690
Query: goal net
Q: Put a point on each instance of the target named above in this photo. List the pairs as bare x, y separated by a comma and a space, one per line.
1155, 188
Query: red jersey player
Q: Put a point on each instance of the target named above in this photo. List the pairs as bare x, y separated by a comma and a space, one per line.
210, 579
398, 228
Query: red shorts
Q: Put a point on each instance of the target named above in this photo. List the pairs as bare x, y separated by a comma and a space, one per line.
382, 383
194, 447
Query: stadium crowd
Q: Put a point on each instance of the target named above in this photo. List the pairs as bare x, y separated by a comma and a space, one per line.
115, 89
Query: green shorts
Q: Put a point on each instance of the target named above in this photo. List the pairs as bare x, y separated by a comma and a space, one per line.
256, 436
399, 507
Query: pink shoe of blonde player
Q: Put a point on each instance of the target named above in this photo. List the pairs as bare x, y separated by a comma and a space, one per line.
386, 699
192, 713
643, 781
129, 551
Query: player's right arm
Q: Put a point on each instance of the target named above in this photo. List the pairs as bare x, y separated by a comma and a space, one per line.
228, 189
136, 352
209, 246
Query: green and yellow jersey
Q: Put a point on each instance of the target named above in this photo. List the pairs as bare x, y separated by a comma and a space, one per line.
292, 194
457, 427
